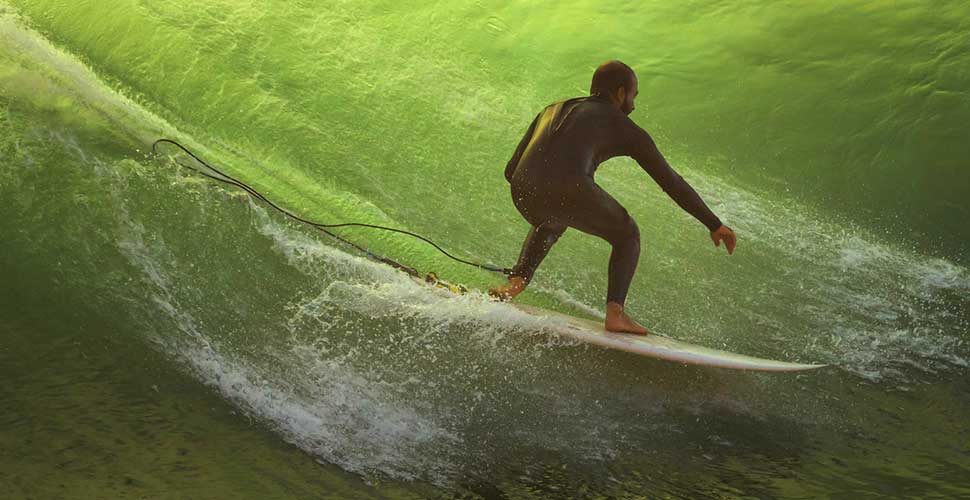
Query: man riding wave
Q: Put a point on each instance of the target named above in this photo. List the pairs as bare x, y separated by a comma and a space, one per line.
551, 177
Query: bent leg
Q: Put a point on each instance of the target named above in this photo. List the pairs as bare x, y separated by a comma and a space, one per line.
596, 212
537, 243
535, 248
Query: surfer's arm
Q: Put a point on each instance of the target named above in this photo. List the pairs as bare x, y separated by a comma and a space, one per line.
520, 149
642, 149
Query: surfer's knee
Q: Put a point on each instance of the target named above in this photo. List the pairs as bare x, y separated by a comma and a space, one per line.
626, 234
550, 239
550, 233
633, 230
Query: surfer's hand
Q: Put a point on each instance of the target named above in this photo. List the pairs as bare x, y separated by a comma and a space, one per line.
724, 234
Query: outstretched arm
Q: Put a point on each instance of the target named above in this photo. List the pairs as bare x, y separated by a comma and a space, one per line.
514, 162
645, 152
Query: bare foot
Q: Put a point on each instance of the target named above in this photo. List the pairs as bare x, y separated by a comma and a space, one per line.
508, 292
618, 321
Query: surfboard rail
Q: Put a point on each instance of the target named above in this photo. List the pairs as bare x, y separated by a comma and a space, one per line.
657, 346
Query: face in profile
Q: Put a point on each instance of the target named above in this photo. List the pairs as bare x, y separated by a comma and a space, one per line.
627, 106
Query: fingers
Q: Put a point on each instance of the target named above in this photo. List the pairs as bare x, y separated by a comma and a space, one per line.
725, 234
729, 238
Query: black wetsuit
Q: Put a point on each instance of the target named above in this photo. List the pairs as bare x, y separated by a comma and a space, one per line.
551, 174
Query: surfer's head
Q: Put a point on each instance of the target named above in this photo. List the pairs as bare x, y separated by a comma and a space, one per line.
618, 82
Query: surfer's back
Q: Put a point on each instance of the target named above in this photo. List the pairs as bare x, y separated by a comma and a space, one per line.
572, 137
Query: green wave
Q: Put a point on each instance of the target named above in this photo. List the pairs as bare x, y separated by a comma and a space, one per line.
857, 108
403, 114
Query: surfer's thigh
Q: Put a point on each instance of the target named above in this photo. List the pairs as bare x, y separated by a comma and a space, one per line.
594, 211
537, 203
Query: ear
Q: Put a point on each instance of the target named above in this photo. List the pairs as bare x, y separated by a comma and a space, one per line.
621, 94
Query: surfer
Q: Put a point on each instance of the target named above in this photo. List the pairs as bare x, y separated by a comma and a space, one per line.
551, 177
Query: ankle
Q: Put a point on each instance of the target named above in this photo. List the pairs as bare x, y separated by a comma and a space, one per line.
614, 307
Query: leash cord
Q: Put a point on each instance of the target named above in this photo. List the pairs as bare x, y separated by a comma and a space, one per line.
227, 179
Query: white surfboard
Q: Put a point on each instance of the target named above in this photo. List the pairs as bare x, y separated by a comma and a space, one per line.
656, 346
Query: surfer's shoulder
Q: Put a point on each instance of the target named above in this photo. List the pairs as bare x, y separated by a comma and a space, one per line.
624, 123
568, 101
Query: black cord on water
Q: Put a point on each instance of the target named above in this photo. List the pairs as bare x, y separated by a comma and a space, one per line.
227, 179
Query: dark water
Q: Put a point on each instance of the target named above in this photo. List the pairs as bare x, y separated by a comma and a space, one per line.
163, 337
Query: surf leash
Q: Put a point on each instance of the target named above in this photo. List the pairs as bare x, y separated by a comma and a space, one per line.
430, 278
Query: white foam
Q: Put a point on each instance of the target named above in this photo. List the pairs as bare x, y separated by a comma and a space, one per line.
328, 408
872, 303
377, 290
334, 413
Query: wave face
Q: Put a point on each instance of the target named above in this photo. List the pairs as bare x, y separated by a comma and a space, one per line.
404, 115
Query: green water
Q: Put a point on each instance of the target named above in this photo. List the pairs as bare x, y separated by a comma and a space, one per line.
164, 337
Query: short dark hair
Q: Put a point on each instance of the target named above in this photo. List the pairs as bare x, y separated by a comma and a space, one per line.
610, 76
